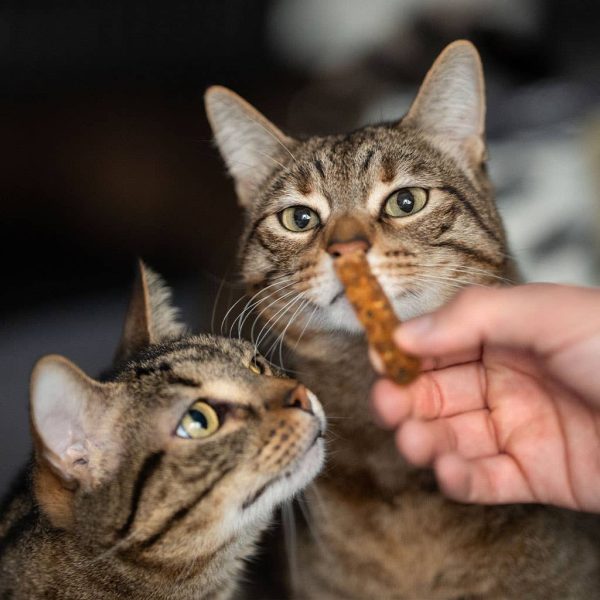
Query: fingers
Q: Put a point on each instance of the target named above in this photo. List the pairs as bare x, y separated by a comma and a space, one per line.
529, 316
471, 435
491, 480
434, 394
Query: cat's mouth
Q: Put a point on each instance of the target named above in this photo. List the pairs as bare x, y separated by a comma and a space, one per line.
289, 472
339, 295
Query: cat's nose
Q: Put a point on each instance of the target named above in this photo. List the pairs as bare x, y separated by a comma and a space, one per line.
299, 398
337, 249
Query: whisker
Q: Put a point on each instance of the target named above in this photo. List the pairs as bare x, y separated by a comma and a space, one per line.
289, 529
279, 314
282, 336
250, 306
261, 291
257, 318
274, 137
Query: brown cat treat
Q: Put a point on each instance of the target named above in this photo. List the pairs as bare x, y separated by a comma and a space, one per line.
376, 314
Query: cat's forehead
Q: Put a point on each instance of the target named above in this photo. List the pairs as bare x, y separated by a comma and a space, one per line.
341, 167
204, 354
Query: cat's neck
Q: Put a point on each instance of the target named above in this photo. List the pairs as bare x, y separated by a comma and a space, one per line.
335, 365
34, 551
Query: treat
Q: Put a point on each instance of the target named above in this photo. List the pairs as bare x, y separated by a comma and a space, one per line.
376, 314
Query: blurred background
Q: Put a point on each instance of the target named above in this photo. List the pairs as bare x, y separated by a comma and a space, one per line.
105, 152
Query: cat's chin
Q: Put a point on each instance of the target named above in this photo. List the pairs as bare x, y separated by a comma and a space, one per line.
339, 316
284, 487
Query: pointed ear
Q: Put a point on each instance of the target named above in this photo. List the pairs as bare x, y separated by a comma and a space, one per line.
249, 143
150, 318
69, 418
450, 106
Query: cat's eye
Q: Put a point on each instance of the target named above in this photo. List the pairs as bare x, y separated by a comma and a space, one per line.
405, 202
299, 218
256, 367
199, 421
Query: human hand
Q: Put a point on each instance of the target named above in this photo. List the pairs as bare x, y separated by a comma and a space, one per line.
508, 408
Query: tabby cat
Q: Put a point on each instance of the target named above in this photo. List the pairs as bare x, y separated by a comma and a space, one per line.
415, 195
155, 481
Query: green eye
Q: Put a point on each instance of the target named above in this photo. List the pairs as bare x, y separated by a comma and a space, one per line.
199, 421
256, 367
405, 202
299, 218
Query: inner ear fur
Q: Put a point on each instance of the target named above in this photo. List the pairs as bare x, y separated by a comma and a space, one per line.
69, 415
249, 143
450, 105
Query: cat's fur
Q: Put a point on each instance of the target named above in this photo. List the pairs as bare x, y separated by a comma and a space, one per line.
115, 505
383, 528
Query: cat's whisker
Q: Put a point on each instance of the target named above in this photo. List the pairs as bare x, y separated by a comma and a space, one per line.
310, 522
312, 314
261, 291
270, 318
451, 281
470, 270
272, 321
282, 336
272, 135
269, 157
289, 529
250, 300
250, 307
252, 304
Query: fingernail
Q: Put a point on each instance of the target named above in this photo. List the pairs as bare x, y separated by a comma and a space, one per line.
413, 329
376, 361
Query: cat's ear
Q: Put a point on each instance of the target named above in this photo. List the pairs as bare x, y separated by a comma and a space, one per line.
450, 105
70, 420
150, 318
249, 143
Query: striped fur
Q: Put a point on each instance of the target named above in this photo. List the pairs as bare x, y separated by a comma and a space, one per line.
145, 514
383, 529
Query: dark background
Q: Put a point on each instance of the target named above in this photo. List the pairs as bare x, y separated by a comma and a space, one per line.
106, 155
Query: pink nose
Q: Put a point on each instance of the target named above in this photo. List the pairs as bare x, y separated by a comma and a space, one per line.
340, 248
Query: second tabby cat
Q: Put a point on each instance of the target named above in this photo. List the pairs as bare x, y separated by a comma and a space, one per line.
155, 481
415, 196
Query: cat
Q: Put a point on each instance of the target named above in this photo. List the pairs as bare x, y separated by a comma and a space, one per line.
156, 480
415, 196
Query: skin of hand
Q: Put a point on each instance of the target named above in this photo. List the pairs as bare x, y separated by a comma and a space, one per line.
508, 406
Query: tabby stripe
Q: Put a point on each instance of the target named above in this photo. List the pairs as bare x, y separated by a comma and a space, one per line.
150, 465
182, 512
264, 244
367, 161
251, 233
320, 169
479, 256
18, 529
472, 211
176, 380
451, 214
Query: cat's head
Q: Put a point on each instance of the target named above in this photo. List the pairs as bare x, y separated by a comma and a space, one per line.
184, 444
413, 193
